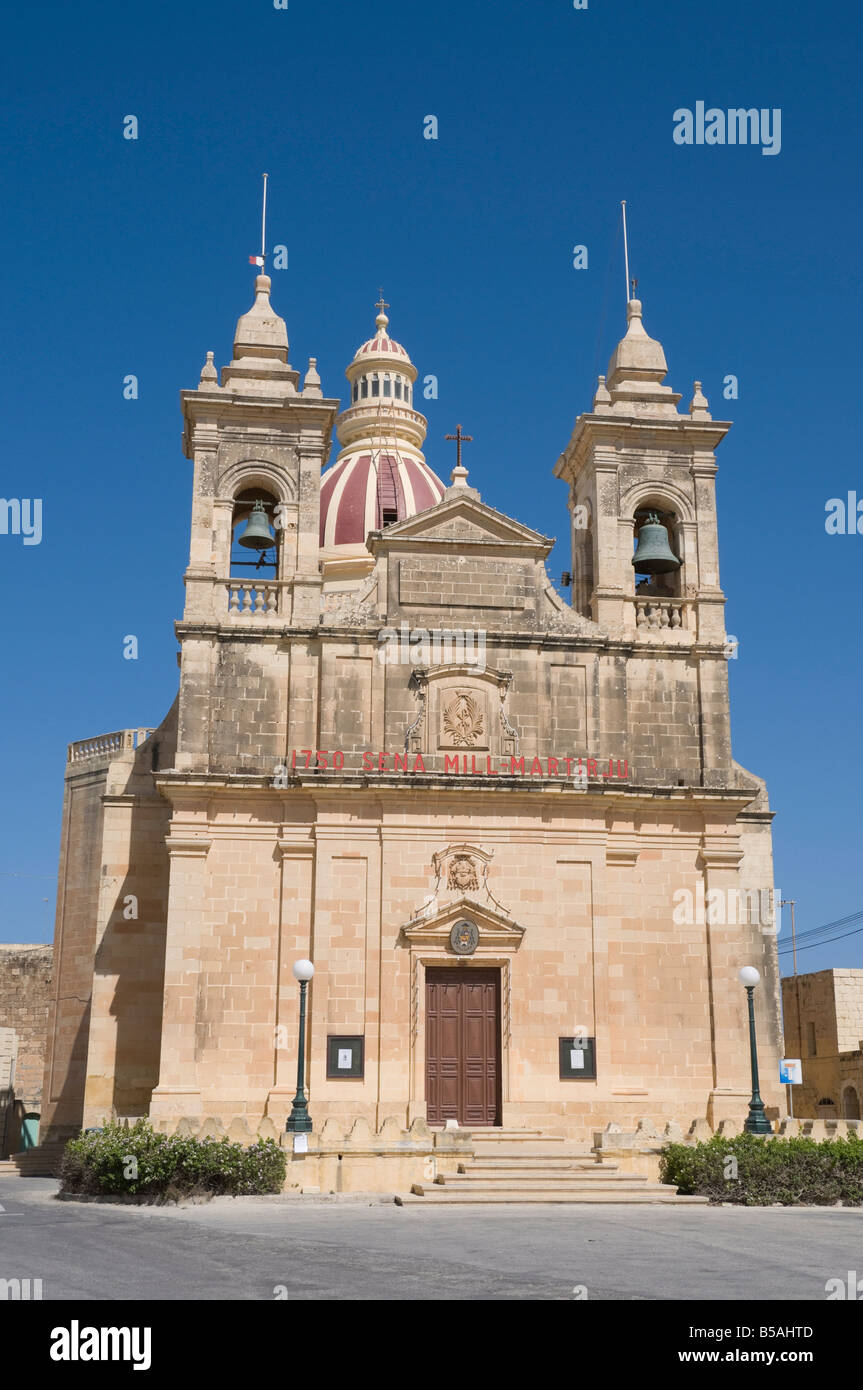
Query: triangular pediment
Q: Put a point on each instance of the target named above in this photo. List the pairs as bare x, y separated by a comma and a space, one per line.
464, 521
496, 930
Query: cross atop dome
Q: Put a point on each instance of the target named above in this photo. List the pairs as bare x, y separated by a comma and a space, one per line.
381, 344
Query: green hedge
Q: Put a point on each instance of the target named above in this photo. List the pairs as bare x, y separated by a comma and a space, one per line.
792, 1172
169, 1166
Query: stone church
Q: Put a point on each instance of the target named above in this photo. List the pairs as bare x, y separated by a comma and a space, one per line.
471, 797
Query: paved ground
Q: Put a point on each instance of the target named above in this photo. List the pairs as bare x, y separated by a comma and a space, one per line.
244, 1249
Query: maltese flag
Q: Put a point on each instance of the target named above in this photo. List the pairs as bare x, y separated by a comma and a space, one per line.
256, 260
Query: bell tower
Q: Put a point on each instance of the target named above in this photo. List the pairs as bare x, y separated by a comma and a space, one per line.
636, 461
258, 442
642, 504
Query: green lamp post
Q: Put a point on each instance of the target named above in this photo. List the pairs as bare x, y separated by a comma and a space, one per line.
756, 1121
299, 1121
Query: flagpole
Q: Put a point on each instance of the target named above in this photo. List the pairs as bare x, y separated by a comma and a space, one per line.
625, 250
264, 230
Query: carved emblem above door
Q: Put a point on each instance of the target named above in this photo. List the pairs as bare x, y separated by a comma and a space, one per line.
462, 876
463, 721
464, 938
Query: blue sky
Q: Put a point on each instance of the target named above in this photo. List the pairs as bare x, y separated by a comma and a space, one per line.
132, 257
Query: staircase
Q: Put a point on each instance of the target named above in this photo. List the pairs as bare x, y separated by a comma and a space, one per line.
529, 1166
41, 1162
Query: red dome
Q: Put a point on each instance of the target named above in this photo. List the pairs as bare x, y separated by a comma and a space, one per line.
381, 344
378, 345
363, 492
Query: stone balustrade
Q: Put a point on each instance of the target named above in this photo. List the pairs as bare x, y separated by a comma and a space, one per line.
252, 598
106, 745
654, 613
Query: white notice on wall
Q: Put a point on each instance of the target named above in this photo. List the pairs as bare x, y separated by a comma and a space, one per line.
301, 1143
576, 1058
345, 1059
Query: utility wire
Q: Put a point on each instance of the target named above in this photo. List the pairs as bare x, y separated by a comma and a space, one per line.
785, 950
816, 932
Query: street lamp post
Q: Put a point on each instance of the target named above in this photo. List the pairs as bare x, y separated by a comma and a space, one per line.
299, 1121
756, 1121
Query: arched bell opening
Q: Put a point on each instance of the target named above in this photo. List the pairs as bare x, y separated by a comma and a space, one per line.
656, 551
255, 535
256, 553
255, 531
583, 580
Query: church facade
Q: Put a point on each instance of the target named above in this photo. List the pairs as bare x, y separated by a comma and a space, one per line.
488, 811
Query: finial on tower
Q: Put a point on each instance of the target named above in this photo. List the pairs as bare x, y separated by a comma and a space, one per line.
602, 398
208, 372
699, 405
381, 307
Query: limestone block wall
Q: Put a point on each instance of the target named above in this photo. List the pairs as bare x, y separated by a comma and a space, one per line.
663, 712
808, 999
338, 880
850, 1087
74, 944
105, 1010
563, 701
8, 1052
126, 1007
848, 994
249, 685
25, 990
830, 1004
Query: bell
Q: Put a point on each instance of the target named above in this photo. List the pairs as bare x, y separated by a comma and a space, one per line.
653, 554
257, 533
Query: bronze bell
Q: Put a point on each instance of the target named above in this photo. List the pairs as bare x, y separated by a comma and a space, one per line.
257, 533
653, 554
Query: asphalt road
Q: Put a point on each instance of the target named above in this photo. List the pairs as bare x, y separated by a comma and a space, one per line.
369, 1250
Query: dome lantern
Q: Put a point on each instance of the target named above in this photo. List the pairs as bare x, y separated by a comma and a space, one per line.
380, 475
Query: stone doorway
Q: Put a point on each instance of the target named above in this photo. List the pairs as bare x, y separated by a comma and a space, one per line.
463, 1051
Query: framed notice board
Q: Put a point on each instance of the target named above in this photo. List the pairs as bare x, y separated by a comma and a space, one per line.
578, 1059
345, 1056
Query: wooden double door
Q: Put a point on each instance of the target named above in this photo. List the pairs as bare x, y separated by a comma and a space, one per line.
463, 1045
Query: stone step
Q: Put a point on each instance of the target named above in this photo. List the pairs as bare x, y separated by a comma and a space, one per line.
495, 1132
518, 1166
41, 1162
527, 1180
527, 1163
442, 1196
489, 1135
536, 1148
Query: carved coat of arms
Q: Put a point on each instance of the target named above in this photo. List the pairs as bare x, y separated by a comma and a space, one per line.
464, 938
462, 721
462, 876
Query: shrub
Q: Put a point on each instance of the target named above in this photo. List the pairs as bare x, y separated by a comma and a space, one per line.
792, 1172
170, 1166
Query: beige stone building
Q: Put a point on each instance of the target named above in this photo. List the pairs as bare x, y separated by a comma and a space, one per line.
25, 991
479, 804
823, 1017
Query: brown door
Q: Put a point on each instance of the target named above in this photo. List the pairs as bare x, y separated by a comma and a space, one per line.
463, 1046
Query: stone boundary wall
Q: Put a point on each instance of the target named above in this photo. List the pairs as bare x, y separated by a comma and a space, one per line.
25, 993
639, 1150
346, 1159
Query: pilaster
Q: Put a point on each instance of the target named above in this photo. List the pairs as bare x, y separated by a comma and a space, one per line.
178, 1092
